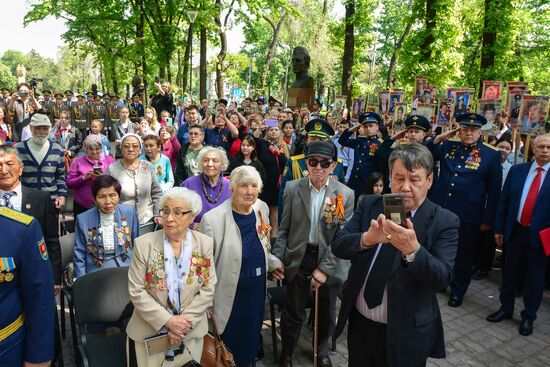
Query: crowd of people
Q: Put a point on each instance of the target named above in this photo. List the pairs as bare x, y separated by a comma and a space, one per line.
239, 193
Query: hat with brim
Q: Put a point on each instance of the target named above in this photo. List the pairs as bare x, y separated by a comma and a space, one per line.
319, 128
39, 119
370, 118
69, 92
325, 149
417, 122
4, 89
471, 120
58, 95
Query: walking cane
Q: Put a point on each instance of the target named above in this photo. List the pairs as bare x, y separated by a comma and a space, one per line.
315, 337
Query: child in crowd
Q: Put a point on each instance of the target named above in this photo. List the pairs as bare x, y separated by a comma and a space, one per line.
373, 186
96, 127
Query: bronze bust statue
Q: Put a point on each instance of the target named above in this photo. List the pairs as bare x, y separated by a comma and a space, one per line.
300, 66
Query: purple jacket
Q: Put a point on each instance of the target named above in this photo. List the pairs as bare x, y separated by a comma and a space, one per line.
194, 183
83, 189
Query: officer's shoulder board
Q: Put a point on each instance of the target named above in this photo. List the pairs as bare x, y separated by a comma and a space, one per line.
490, 146
380, 140
297, 157
15, 215
455, 139
339, 160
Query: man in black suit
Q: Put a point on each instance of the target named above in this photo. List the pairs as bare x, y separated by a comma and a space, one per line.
32, 202
389, 297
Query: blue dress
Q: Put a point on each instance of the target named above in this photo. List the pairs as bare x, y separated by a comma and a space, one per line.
242, 333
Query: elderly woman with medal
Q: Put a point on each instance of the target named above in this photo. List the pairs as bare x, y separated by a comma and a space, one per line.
105, 233
241, 232
171, 282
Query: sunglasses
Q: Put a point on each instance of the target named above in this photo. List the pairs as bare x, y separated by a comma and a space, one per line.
313, 162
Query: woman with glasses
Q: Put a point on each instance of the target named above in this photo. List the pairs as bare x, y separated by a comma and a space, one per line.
210, 184
140, 188
241, 232
171, 282
104, 234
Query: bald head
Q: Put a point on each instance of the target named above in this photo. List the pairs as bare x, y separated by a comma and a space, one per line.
541, 149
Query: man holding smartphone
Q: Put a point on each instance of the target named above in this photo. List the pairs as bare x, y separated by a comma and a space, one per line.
389, 298
22, 104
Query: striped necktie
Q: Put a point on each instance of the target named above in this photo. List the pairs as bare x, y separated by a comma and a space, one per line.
7, 199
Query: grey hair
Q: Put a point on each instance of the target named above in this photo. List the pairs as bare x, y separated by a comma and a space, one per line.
191, 198
540, 137
93, 144
223, 155
244, 174
8, 149
413, 156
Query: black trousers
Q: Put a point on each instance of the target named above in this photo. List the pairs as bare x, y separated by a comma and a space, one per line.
294, 313
366, 342
486, 250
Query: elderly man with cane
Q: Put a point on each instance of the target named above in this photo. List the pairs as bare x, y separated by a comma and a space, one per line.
315, 209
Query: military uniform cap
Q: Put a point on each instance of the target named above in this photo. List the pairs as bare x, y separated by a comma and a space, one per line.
79, 96
97, 97
46, 91
89, 94
69, 92
417, 122
370, 117
319, 128
471, 120
58, 95
4, 89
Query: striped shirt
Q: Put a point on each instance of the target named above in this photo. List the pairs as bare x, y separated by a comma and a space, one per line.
49, 175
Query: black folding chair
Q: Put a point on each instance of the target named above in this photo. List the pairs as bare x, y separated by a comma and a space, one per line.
102, 298
67, 214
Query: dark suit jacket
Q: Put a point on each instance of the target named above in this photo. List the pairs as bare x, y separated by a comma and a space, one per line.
510, 198
414, 330
39, 205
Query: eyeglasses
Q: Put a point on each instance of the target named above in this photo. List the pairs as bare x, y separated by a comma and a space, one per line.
194, 134
313, 162
165, 212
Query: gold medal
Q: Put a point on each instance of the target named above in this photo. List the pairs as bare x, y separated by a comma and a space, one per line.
194, 260
189, 280
1, 277
8, 277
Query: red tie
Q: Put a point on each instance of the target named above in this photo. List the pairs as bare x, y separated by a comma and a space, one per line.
531, 199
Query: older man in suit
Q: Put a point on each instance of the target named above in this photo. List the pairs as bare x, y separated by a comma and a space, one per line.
32, 202
523, 212
315, 209
389, 297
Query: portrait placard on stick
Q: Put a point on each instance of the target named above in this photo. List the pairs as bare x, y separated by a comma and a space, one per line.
491, 89
514, 103
357, 107
339, 104
490, 109
443, 111
421, 84
426, 110
384, 103
396, 96
399, 116
533, 113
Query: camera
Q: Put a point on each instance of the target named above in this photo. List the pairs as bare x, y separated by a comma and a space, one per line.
34, 82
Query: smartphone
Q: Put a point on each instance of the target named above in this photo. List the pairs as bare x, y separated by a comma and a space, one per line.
169, 122
394, 208
23, 94
157, 79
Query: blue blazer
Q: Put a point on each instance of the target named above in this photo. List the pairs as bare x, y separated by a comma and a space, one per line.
510, 198
415, 329
88, 251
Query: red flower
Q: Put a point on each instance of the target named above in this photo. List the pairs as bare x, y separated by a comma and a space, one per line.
148, 278
58, 134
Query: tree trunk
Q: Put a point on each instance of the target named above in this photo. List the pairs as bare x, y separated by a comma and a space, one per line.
141, 40
488, 43
178, 71
185, 76
430, 24
202, 67
349, 45
219, 64
113, 75
397, 47
272, 48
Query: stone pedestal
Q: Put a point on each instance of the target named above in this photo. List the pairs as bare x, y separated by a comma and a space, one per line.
297, 97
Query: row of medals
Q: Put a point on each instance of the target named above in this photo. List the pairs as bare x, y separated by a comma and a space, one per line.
6, 277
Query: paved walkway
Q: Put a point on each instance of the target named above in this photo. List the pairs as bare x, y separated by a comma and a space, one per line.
470, 340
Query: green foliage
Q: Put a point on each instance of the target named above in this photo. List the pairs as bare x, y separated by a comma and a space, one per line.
7, 78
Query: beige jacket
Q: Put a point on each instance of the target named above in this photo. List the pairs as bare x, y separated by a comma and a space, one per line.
221, 226
148, 293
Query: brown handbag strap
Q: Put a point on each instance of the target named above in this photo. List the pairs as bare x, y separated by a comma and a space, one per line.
215, 328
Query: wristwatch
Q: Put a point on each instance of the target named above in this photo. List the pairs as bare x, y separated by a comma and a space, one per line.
410, 257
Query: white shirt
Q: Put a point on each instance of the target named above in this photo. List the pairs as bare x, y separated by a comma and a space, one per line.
505, 169
317, 197
527, 185
107, 228
16, 200
379, 313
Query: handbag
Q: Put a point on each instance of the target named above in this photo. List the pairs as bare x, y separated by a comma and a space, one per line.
214, 351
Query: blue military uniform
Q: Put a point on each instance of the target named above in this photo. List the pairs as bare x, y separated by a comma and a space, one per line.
469, 185
364, 161
296, 167
26, 292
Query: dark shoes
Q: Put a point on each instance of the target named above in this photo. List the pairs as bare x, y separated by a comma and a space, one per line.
324, 362
498, 316
455, 301
285, 360
480, 275
526, 327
